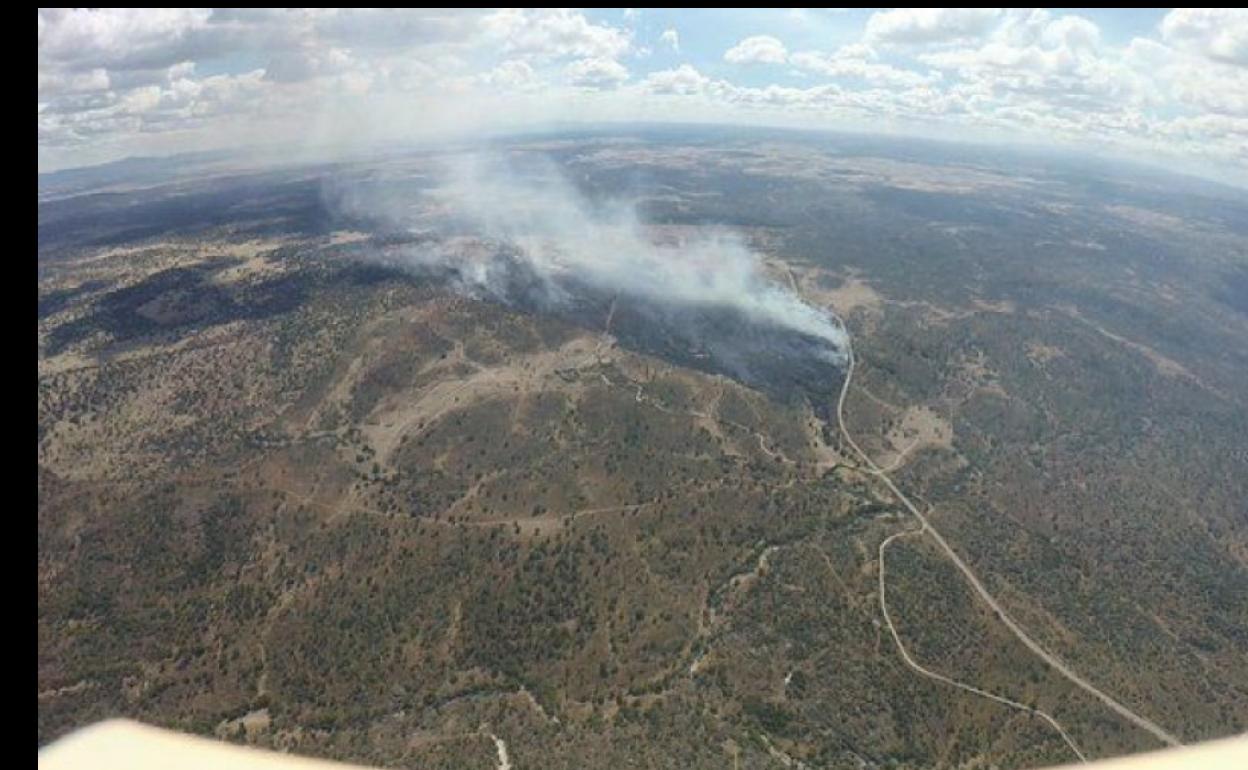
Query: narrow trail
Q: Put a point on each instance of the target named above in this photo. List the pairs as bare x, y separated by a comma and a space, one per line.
1052, 660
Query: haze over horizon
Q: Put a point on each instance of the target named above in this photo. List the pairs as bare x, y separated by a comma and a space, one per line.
1167, 88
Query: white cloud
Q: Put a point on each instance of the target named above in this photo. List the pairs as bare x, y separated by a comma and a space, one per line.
856, 61
1072, 33
117, 81
681, 80
118, 37
513, 74
98, 68
919, 26
672, 38
1022, 26
553, 33
389, 28
1186, 79
95, 79
759, 49
296, 66
596, 73
1220, 34
1058, 60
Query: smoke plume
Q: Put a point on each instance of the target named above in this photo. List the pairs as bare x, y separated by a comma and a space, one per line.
516, 230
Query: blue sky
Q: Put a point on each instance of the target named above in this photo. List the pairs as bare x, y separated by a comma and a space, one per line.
1167, 85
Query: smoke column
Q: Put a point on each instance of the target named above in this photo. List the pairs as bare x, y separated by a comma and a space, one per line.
516, 231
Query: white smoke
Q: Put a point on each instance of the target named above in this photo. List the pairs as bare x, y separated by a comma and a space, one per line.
542, 221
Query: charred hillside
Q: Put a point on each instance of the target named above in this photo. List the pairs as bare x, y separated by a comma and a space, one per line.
785, 363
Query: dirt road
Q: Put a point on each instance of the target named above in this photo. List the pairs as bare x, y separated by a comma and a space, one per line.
888, 620
1053, 661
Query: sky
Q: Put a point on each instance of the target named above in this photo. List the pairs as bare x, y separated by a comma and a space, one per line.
1165, 87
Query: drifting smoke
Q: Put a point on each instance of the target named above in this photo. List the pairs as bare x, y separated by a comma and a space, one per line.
524, 236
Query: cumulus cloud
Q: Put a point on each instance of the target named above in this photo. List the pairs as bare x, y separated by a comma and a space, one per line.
596, 73
672, 38
296, 66
121, 37
1057, 59
684, 79
759, 49
1180, 77
919, 26
378, 29
858, 61
513, 73
120, 81
66, 83
311, 57
554, 33
1220, 34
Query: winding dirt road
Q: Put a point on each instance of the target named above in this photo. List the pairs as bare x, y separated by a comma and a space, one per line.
1052, 660
941, 677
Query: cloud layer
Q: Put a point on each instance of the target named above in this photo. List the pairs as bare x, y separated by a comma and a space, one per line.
115, 82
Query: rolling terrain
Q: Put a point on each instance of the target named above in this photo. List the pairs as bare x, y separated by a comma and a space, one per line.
302, 490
